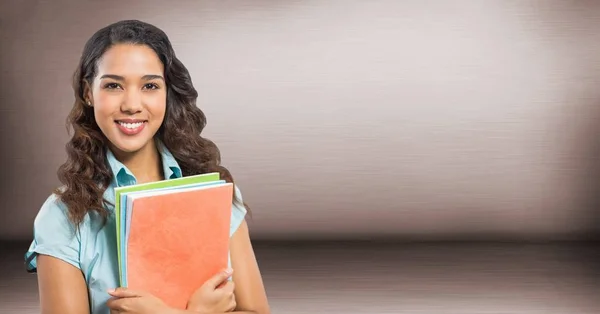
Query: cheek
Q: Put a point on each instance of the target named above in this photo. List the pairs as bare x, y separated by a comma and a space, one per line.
157, 106
105, 105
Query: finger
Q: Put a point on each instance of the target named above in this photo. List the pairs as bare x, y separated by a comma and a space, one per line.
119, 304
122, 292
232, 305
217, 279
223, 283
228, 288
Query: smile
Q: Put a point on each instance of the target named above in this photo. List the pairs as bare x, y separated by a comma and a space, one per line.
130, 127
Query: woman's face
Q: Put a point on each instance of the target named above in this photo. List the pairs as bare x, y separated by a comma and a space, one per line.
129, 96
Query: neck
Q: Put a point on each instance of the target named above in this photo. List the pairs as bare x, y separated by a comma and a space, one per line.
145, 164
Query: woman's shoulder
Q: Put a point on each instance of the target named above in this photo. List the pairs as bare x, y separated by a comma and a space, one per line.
53, 218
52, 209
53, 234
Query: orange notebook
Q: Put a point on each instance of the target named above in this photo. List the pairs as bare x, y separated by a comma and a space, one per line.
178, 239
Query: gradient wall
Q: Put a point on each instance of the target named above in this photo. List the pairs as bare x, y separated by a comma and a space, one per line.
346, 118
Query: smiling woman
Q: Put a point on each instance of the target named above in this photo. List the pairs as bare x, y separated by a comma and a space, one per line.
135, 120
129, 98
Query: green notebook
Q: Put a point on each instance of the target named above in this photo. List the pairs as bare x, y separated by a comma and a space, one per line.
202, 178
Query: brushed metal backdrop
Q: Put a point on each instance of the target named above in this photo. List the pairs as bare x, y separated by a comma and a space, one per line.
347, 118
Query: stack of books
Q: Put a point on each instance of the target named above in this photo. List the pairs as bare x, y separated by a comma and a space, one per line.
173, 235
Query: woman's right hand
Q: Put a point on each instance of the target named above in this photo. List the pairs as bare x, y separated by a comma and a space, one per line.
215, 295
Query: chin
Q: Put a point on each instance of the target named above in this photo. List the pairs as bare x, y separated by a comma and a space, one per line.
129, 141
129, 147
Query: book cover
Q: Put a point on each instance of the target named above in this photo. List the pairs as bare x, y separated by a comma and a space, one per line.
149, 186
178, 239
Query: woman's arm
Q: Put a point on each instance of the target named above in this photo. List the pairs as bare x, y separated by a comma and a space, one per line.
62, 287
249, 290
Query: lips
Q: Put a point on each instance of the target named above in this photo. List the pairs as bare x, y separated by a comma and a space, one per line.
131, 126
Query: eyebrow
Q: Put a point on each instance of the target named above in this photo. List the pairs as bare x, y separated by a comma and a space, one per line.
146, 77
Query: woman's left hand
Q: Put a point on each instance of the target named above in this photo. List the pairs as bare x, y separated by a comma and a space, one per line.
126, 301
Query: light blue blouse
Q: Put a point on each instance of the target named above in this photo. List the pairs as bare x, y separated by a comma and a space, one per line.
93, 248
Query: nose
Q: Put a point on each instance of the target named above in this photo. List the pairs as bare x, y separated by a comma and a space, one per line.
132, 102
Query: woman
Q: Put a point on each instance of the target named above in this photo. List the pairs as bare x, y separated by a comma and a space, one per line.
135, 120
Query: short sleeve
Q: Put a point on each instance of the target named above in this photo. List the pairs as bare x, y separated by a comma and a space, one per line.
238, 211
53, 235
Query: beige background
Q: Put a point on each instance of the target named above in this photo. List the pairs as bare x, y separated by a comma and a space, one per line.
426, 119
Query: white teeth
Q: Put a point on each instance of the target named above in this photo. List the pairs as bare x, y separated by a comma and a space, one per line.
131, 125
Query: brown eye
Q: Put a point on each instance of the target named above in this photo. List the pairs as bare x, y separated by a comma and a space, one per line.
111, 85
151, 86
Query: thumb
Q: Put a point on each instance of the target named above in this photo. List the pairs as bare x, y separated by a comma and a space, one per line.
217, 279
122, 292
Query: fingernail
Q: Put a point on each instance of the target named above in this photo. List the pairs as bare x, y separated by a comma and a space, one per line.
110, 290
229, 271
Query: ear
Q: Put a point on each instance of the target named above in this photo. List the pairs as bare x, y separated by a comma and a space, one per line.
87, 93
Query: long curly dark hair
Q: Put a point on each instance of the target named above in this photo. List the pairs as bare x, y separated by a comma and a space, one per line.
86, 174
